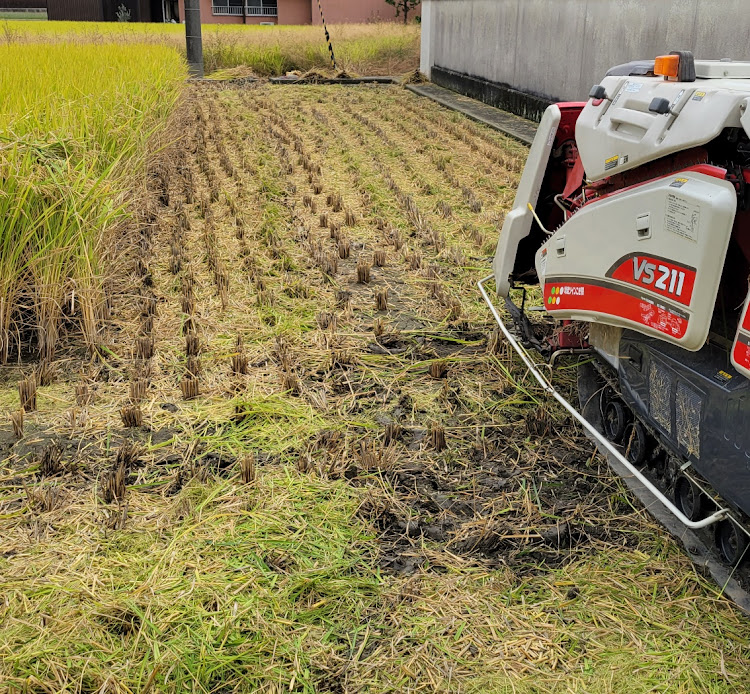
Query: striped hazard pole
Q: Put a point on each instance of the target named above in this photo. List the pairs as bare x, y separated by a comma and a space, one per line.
328, 36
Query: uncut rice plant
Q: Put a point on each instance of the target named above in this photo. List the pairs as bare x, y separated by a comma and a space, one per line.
386, 48
75, 120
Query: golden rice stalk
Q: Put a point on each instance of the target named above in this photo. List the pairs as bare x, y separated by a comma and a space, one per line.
363, 271
144, 347
189, 386
16, 419
247, 468
27, 393
392, 433
45, 372
138, 388
438, 368
50, 464
437, 437
113, 489
83, 394
381, 299
192, 345
131, 416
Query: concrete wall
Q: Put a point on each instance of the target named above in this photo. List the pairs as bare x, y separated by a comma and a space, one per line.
557, 49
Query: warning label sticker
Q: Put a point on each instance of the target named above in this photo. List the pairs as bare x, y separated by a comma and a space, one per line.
612, 162
682, 217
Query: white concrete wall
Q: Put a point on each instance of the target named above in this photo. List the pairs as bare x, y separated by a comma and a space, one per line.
557, 49
425, 60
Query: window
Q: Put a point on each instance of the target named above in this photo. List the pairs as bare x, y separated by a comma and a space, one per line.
263, 8
253, 8
230, 7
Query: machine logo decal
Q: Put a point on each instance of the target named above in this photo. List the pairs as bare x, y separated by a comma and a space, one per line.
596, 296
659, 275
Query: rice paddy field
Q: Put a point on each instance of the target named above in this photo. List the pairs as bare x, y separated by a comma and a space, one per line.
365, 49
258, 432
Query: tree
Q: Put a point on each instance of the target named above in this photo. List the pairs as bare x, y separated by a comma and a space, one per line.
404, 6
123, 14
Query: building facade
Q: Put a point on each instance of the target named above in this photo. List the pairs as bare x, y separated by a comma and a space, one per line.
293, 11
223, 11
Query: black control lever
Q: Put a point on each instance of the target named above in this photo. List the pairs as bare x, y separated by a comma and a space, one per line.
659, 105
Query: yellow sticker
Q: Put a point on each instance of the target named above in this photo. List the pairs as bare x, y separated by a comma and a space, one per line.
611, 162
724, 374
699, 96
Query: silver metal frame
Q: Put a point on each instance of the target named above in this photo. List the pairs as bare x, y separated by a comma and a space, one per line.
237, 10
719, 515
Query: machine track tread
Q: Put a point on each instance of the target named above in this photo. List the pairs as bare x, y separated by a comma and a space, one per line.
699, 552
730, 581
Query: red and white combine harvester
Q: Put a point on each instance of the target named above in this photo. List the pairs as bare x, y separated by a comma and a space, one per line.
632, 217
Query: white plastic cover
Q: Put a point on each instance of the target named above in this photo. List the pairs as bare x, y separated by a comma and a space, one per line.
518, 221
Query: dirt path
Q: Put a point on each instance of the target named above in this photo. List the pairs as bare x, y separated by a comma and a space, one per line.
302, 341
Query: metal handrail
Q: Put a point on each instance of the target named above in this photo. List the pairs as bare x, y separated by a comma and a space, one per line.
236, 10
271, 11
721, 514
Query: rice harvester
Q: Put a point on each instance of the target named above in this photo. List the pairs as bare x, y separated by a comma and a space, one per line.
629, 242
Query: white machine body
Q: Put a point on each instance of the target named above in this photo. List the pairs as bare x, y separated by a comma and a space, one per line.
647, 253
